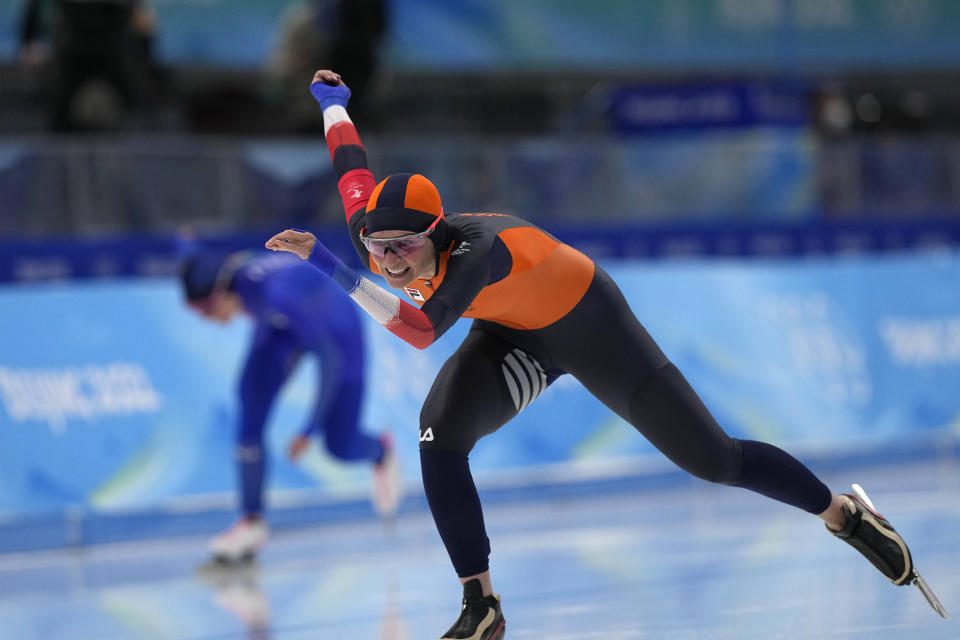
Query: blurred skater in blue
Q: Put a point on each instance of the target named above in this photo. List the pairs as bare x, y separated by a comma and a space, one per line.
296, 310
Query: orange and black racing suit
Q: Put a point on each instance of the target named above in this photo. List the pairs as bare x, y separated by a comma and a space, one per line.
541, 309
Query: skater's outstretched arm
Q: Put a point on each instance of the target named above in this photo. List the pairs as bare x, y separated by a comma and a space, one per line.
355, 182
399, 317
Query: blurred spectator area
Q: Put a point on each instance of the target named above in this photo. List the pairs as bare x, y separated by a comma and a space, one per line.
510, 66
659, 111
767, 175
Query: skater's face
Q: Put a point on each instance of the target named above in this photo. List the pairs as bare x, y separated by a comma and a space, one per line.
401, 267
220, 306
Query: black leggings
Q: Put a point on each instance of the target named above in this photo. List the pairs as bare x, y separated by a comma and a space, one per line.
498, 371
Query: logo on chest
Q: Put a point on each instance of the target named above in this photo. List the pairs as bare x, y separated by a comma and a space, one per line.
414, 294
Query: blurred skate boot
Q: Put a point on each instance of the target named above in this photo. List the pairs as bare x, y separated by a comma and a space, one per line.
240, 542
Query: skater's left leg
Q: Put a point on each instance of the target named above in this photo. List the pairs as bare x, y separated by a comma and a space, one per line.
667, 399
833, 515
667, 411
344, 439
339, 420
605, 347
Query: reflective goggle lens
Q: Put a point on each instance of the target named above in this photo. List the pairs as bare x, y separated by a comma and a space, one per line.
402, 246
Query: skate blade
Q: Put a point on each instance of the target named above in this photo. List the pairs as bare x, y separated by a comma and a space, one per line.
928, 594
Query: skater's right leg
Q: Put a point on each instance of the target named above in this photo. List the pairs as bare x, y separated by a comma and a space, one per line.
468, 400
251, 469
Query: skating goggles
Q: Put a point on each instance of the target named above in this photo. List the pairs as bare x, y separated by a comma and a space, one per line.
401, 245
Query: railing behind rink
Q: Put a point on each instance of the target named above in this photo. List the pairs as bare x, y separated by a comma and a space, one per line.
86, 186
141, 255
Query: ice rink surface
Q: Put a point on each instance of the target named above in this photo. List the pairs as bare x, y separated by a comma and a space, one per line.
688, 561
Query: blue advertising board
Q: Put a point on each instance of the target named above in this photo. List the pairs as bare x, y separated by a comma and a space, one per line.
670, 107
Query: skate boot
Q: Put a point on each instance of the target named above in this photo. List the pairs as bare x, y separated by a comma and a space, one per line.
872, 535
869, 533
240, 542
480, 618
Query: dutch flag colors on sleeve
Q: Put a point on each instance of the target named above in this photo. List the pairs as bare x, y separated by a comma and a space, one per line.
355, 184
400, 318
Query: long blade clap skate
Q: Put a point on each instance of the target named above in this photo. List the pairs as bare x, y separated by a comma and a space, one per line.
928, 594
872, 535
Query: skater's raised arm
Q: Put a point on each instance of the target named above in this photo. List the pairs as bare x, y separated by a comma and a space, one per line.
354, 180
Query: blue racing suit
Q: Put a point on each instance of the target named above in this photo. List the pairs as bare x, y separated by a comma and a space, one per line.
296, 311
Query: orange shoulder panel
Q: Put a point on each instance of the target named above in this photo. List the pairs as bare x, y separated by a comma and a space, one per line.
546, 282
